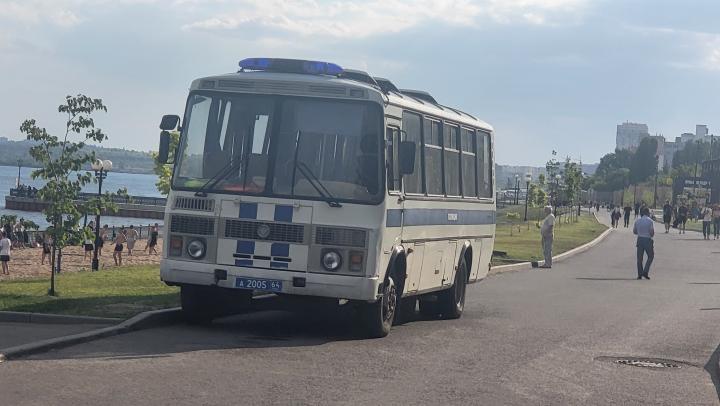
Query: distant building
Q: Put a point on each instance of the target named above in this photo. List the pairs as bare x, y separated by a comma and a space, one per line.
701, 132
629, 135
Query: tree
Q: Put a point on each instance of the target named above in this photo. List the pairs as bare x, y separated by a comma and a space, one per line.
644, 162
164, 171
61, 162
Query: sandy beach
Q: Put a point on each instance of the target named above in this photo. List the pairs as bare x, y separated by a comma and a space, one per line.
25, 262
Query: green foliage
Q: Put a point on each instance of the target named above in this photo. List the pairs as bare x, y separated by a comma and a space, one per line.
572, 178
552, 167
695, 153
536, 196
541, 199
12, 219
164, 171
644, 162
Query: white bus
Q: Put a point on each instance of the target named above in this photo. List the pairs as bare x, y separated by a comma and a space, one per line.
303, 178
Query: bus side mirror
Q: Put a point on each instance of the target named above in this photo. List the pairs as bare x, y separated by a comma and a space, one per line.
407, 157
169, 122
164, 150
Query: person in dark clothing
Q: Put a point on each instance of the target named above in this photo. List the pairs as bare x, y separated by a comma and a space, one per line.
682, 217
626, 213
667, 215
637, 209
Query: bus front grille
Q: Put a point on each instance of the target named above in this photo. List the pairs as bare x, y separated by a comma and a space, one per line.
192, 225
193, 203
248, 230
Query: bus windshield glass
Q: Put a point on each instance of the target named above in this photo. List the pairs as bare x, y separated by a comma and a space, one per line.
281, 146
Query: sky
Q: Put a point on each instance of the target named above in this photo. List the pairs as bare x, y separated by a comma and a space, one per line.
547, 74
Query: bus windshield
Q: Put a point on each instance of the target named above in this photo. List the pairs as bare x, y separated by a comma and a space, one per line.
281, 146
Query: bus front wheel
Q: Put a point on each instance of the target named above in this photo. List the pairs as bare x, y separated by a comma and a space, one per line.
378, 317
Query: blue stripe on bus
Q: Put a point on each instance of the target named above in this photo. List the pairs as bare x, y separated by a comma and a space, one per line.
278, 249
245, 247
432, 217
278, 265
243, 262
283, 213
248, 211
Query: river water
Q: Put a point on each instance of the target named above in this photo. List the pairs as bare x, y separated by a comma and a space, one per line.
136, 184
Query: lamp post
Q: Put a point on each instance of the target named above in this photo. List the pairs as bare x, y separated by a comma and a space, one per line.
101, 169
517, 188
528, 178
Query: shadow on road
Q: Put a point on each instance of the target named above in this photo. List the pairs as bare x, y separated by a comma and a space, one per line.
606, 279
273, 324
712, 368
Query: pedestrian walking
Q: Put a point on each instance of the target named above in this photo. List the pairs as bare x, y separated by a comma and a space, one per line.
706, 215
667, 215
682, 217
547, 233
131, 236
88, 246
637, 209
716, 220
46, 244
117, 251
644, 229
5, 245
626, 213
615, 217
153, 240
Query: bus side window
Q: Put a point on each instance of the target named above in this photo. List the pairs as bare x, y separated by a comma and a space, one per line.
432, 153
392, 141
484, 167
467, 145
413, 183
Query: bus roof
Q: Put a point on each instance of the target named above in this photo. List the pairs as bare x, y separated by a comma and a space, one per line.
334, 87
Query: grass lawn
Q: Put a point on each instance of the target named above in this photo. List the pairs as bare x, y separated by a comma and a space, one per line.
522, 243
120, 293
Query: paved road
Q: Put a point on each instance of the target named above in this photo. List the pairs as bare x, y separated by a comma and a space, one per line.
12, 334
530, 337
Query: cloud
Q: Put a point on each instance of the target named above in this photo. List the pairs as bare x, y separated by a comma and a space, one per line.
355, 19
701, 50
58, 13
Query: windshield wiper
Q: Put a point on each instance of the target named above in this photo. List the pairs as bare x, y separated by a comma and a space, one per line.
219, 175
310, 176
317, 184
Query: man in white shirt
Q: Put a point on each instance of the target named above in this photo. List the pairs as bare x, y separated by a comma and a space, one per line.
645, 231
547, 232
4, 253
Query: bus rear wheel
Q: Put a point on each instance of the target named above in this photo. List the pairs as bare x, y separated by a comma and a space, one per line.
378, 317
452, 301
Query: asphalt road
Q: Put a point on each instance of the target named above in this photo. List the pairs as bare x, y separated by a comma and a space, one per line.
528, 337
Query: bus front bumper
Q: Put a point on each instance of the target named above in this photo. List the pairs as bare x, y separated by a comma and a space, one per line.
316, 284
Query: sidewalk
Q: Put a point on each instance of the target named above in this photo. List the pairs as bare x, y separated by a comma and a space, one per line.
12, 334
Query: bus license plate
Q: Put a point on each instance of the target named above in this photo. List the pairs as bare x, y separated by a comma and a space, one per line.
270, 285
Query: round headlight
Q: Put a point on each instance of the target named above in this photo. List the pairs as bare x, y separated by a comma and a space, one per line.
196, 249
331, 261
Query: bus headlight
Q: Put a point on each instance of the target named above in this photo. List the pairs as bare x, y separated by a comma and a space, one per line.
331, 260
196, 249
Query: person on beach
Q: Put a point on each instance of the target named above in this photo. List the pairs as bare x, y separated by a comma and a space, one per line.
18, 234
682, 217
706, 215
117, 251
153, 239
46, 244
100, 241
131, 236
5, 253
88, 246
627, 210
547, 233
667, 215
644, 229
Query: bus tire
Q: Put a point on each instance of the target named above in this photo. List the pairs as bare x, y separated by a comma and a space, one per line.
378, 317
452, 301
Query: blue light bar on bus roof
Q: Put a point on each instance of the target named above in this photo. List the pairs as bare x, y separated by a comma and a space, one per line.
291, 66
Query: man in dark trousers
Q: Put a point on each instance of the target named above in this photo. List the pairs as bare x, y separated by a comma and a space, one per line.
637, 209
645, 230
627, 210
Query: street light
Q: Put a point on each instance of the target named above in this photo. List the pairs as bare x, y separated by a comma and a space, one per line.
528, 178
101, 169
517, 188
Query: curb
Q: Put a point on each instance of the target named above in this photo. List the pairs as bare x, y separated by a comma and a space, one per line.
25, 317
565, 255
141, 321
